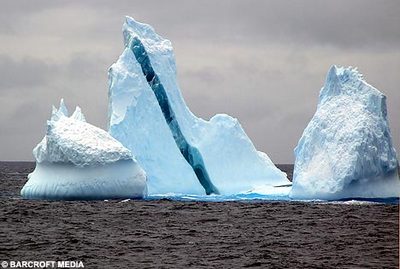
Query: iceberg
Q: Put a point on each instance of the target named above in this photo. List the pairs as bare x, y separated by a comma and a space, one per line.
180, 152
78, 161
346, 151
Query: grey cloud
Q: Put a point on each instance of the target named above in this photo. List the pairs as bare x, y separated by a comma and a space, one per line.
357, 24
13, 12
85, 66
30, 73
21, 74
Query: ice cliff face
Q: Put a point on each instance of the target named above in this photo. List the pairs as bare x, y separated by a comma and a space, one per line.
76, 160
346, 151
180, 152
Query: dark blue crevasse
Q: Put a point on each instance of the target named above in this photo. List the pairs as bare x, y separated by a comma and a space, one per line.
191, 154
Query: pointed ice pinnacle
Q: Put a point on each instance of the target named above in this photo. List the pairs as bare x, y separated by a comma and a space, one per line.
56, 114
62, 111
78, 115
63, 108
53, 110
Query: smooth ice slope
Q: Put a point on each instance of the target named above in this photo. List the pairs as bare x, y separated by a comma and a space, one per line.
76, 160
346, 151
149, 116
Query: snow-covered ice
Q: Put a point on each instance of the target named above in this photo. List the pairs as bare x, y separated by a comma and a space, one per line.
346, 151
76, 160
180, 152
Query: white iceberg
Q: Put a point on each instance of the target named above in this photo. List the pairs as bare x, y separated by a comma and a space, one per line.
346, 151
179, 152
78, 161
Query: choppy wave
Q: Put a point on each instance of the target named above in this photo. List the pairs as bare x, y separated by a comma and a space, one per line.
255, 197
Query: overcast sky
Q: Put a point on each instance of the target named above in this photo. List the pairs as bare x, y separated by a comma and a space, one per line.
262, 62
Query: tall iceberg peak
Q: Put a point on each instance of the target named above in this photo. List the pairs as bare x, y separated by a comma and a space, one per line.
76, 160
151, 40
180, 152
349, 82
191, 154
346, 150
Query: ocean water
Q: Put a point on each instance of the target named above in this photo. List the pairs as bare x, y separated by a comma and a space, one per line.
239, 231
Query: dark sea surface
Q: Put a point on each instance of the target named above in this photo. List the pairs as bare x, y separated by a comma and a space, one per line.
193, 234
